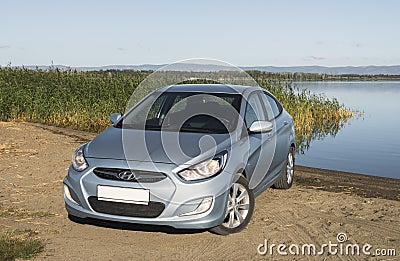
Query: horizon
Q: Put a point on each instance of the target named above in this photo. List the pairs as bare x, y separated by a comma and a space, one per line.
178, 62
209, 66
282, 34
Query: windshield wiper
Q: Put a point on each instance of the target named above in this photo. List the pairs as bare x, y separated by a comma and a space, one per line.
199, 130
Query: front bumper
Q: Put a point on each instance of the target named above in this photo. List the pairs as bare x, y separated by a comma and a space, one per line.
177, 196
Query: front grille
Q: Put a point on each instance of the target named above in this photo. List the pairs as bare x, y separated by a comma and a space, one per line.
152, 210
138, 175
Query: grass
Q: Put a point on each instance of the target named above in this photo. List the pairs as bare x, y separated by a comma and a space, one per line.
10, 212
84, 100
17, 244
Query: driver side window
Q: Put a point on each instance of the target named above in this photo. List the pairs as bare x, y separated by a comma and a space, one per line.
254, 111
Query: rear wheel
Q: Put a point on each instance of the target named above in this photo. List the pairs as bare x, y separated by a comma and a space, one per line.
239, 208
286, 180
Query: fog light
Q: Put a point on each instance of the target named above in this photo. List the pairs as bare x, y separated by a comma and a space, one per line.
204, 206
68, 194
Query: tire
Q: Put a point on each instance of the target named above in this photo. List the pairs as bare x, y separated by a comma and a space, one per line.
237, 213
287, 172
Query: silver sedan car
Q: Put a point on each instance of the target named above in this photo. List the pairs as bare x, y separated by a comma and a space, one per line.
186, 156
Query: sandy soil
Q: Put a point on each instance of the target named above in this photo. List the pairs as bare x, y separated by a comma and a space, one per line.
34, 159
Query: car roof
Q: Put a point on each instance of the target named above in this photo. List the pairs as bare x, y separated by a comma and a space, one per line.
209, 88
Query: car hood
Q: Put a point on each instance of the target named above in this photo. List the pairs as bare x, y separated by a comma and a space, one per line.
154, 146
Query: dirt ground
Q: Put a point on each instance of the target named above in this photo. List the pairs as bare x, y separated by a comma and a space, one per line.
34, 159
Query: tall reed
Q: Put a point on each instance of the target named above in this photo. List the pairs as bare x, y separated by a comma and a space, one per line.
84, 100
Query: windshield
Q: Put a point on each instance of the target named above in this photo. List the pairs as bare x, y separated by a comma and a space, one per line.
185, 112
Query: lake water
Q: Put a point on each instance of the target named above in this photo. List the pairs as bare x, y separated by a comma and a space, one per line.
369, 144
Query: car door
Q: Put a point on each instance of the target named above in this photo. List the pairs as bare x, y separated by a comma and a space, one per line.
281, 131
261, 149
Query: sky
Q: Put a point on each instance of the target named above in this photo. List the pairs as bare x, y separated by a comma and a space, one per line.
243, 33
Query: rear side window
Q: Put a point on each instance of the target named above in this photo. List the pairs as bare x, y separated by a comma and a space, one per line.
272, 106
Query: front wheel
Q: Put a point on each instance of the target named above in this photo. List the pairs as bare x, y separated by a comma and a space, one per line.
239, 209
286, 180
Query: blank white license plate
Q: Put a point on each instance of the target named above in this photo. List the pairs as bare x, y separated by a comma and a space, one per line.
125, 195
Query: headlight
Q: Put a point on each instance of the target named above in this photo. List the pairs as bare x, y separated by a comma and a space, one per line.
205, 169
78, 159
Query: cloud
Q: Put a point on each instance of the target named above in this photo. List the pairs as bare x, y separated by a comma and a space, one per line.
120, 49
5, 46
358, 45
319, 42
315, 58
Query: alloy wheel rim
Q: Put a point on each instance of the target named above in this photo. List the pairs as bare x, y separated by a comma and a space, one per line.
237, 207
290, 168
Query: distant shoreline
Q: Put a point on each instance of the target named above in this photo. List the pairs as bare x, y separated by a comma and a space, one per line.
323, 74
214, 66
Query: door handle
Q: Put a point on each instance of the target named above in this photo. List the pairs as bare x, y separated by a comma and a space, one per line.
285, 123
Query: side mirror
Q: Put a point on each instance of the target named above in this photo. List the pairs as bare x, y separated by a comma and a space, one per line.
115, 117
261, 126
